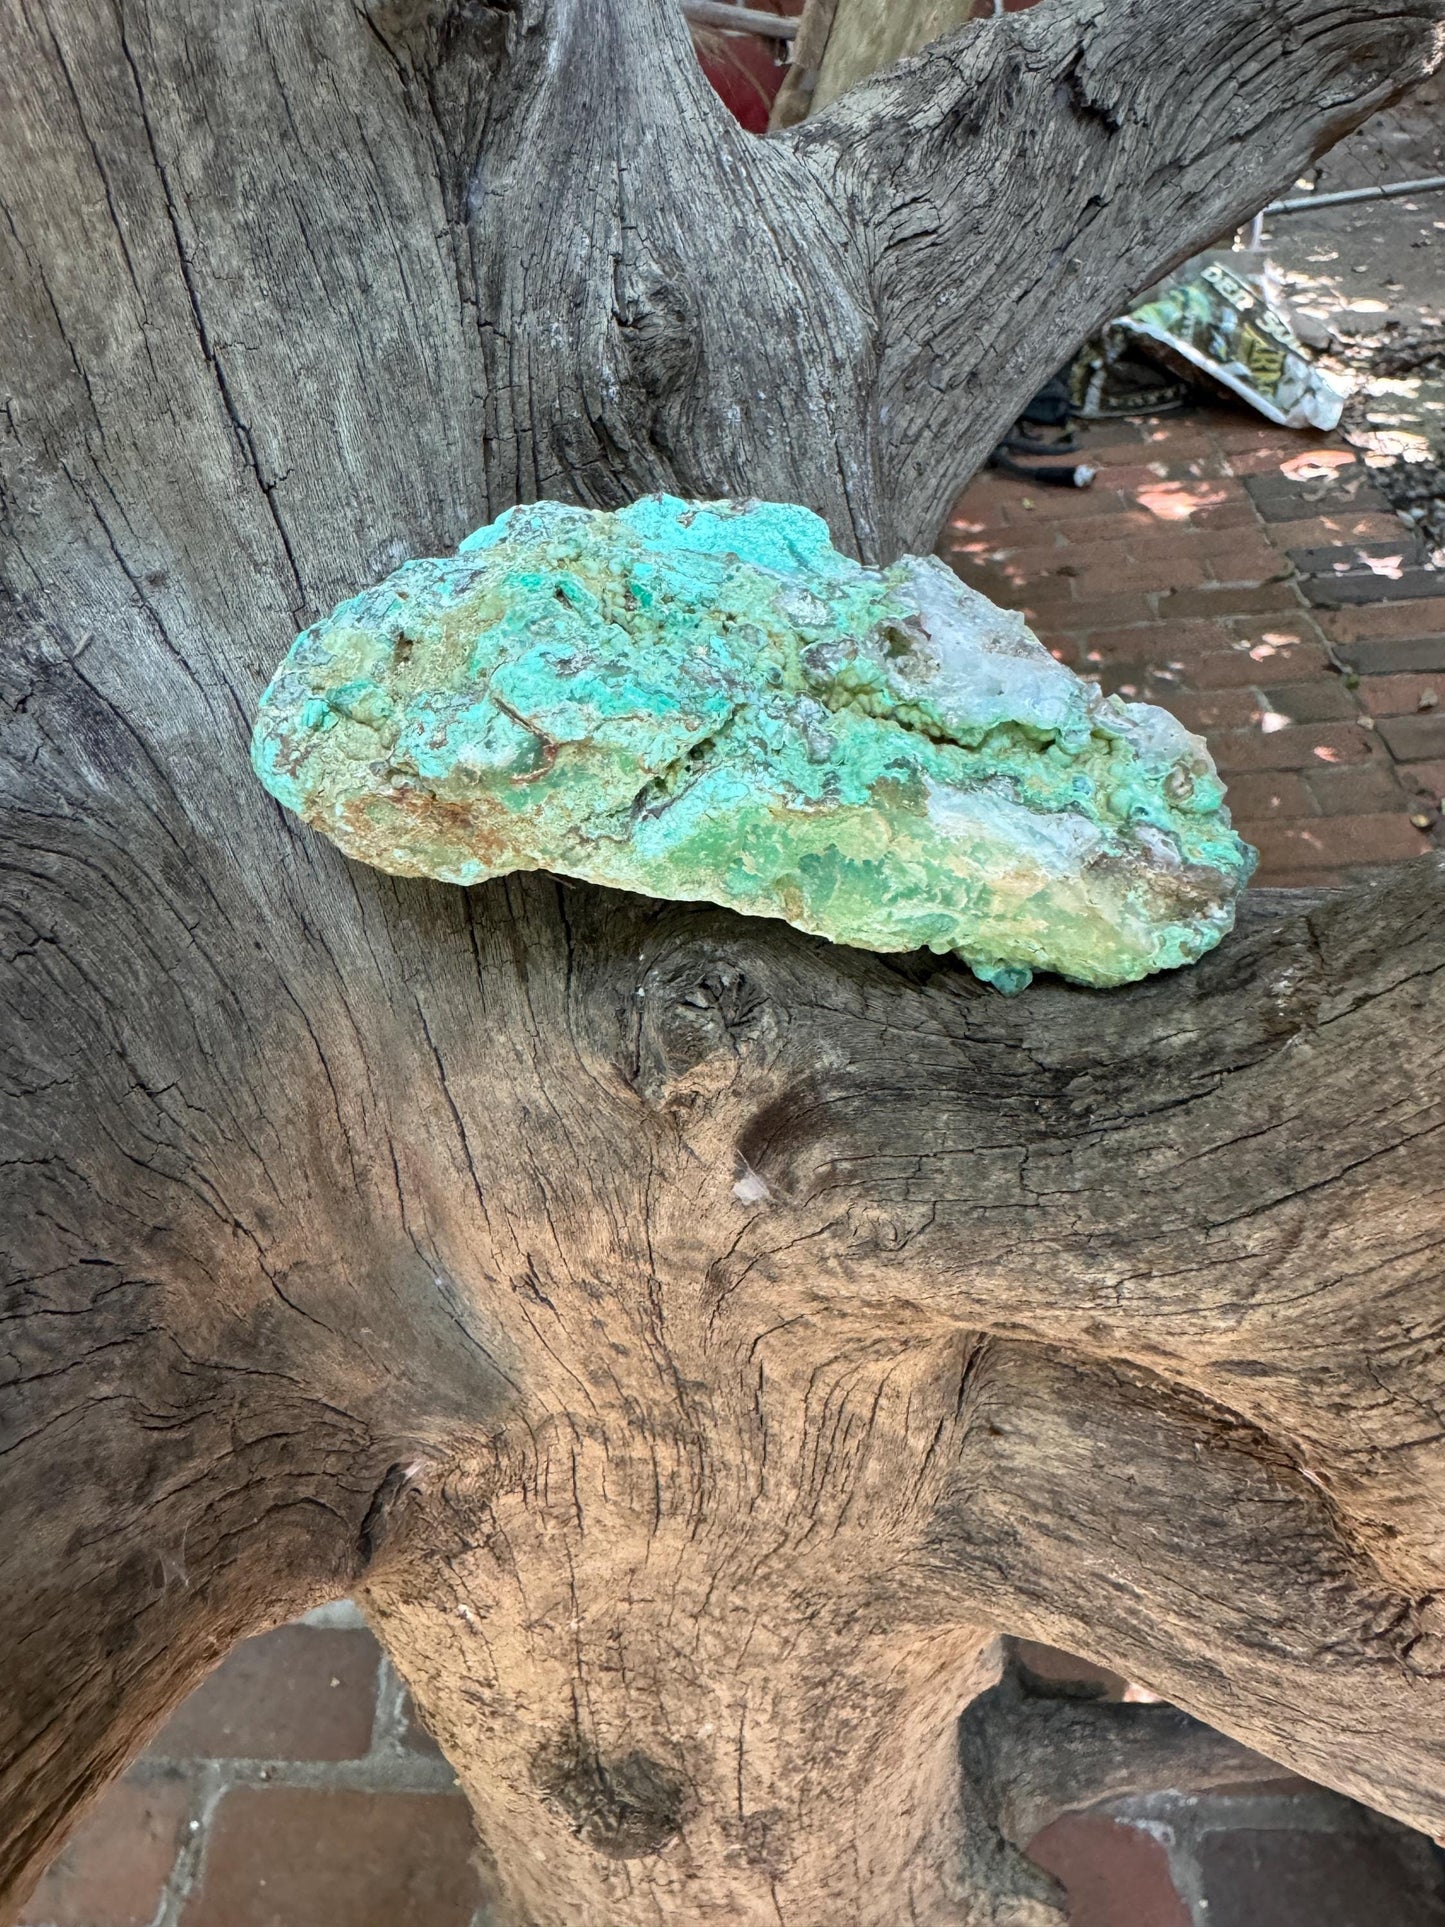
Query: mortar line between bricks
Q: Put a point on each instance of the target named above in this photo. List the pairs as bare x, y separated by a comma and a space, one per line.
388, 1726
1178, 1844
1311, 706
210, 1784
1307, 612
1305, 1808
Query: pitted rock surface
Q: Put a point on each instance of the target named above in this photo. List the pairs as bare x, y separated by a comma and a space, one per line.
706, 701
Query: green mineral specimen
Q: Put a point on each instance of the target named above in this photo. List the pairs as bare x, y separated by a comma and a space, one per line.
706, 701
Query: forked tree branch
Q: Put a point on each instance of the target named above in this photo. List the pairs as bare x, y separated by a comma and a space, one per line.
1020, 181
1228, 1182
1095, 1509
1025, 1761
1184, 1176
322, 1188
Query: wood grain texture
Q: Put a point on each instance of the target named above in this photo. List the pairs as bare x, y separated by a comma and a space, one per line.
368, 1233
1025, 177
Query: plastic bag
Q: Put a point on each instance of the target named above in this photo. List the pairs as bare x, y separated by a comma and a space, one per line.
1220, 325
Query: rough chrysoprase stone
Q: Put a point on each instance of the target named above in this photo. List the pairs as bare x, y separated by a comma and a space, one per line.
705, 700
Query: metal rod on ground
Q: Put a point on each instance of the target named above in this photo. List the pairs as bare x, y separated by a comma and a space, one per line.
719, 13
1386, 193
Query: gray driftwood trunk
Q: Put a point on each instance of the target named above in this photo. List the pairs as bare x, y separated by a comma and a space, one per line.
369, 1235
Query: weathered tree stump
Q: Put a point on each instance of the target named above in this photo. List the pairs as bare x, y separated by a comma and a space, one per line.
696, 1342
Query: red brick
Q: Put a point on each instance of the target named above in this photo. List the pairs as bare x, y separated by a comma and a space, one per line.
1059, 643
1297, 746
1171, 569
1279, 499
1175, 641
1029, 570
1066, 1674
1222, 546
1367, 789
1183, 539
1414, 739
1166, 445
302, 1693
1326, 531
1231, 643
1246, 600
1238, 669
1146, 478
1166, 538
1263, 797
975, 551
1012, 584
1217, 542
1268, 457
1228, 514
1247, 564
1181, 434
1424, 616
113, 1869
1165, 683
1357, 588
1085, 612
1375, 568
1288, 1877
1393, 656
1111, 434
975, 521
1402, 695
1276, 629
293, 1857
1323, 699
1134, 680
1116, 1875
995, 502
1429, 777
1103, 535
1177, 502
1004, 545
1220, 709
1070, 504
1336, 840
990, 578
1247, 434
986, 494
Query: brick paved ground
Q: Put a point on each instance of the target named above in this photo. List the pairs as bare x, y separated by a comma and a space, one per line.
1280, 1853
295, 1789
1256, 583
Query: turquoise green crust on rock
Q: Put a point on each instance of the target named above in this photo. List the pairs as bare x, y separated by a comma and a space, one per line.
706, 701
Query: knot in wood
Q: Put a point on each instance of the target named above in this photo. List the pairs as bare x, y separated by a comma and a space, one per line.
697, 1027
625, 1806
657, 328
